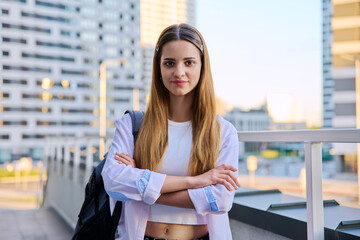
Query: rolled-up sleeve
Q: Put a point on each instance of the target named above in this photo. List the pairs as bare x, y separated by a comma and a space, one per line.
216, 199
125, 183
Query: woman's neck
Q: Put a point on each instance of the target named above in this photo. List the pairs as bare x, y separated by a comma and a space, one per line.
180, 108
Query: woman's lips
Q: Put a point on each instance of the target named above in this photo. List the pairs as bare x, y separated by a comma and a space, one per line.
179, 82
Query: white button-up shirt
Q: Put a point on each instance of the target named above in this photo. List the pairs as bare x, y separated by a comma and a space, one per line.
139, 188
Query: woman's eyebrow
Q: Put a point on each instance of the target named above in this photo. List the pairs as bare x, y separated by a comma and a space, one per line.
173, 59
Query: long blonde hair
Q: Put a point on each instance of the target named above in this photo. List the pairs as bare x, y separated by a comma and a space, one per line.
153, 135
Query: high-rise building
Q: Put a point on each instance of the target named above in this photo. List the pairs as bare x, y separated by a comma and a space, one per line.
341, 48
49, 68
328, 83
156, 15
345, 47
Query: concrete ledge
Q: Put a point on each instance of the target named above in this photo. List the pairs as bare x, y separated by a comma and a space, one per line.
285, 215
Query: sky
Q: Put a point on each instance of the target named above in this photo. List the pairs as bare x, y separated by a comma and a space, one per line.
265, 48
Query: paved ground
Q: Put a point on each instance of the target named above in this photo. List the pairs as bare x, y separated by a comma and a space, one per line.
45, 224
41, 224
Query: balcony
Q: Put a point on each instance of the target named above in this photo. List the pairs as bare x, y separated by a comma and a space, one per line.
256, 214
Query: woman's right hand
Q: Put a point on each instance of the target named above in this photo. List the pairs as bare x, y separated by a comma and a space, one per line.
222, 174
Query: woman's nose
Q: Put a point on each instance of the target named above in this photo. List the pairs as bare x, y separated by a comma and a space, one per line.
179, 71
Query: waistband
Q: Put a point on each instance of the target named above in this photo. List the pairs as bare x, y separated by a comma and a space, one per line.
205, 237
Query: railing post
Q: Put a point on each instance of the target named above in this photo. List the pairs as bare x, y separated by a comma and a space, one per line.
66, 158
89, 159
46, 152
314, 192
41, 195
58, 155
52, 153
76, 161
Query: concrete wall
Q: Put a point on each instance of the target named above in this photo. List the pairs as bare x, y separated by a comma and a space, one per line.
242, 230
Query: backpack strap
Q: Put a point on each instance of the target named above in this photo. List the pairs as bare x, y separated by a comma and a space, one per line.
115, 219
137, 118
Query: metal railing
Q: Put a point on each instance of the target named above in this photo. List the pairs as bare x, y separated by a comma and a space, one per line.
66, 179
67, 176
312, 140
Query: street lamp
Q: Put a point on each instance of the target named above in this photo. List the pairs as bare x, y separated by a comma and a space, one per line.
102, 101
252, 165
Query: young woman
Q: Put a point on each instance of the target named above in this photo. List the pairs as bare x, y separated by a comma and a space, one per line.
178, 181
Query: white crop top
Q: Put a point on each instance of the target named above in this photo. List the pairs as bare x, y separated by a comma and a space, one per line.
175, 163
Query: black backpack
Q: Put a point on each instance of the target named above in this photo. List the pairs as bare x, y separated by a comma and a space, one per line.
95, 220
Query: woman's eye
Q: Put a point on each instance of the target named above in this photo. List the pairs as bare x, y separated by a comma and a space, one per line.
188, 63
169, 64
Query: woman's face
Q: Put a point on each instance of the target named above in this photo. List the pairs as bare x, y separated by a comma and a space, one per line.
180, 66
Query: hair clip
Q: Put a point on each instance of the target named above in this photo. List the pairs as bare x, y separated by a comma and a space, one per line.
157, 48
202, 48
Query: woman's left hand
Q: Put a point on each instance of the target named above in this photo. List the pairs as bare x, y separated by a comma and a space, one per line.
125, 159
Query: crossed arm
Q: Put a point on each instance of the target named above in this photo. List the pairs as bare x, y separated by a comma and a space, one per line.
174, 190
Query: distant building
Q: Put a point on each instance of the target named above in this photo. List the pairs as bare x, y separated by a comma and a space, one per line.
252, 120
288, 126
341, 41
340, 46
49, 68
156, 15
328, 82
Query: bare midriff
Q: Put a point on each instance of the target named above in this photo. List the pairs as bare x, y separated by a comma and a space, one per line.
175, 231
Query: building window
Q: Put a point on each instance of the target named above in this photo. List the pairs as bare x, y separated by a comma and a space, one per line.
111, 39
48, 96
12, 81
83, 123
5, 11
70, 34
14, 123
32, 136
14, 40
47, 57
91, 61
74, 110
4, 136
4, 95
345, 109
5, 53
347, 84
88, 11
72, 72
46, 123
27, 109
26, 28
44, 17
110, 26
111, 15
19, 1
58, 45
89, 24
27, 69
111, 3
53, 5
89, 36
